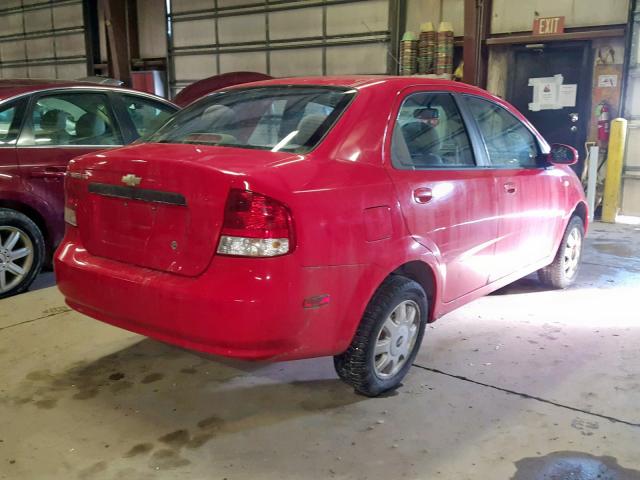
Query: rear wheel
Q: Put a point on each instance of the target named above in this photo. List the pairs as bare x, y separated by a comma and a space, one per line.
21, 252
388, 338
564, 269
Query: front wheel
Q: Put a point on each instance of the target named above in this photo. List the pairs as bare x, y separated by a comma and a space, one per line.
21, 252
564, 269
388, 338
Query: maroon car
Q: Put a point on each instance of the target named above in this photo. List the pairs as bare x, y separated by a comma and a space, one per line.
43, 125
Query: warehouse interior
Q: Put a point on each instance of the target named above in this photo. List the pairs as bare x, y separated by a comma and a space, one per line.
176, 43
526, 383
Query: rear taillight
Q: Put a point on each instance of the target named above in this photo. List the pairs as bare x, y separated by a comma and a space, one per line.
70, 216
72, 184
255, 226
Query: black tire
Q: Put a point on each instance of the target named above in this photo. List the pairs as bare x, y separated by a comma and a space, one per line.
559, 274
357, 365
11, 221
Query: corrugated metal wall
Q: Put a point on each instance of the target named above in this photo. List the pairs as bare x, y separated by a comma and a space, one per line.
42, 39
277, 37
152, 28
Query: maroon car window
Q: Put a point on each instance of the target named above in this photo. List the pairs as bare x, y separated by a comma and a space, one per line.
509, 143
72, 119
430, 133
10, 119
282, 118
147, 115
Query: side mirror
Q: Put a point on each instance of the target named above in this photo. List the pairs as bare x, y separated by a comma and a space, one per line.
563, 154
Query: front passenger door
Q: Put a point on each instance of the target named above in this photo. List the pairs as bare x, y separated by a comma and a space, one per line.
58, 127
529, 194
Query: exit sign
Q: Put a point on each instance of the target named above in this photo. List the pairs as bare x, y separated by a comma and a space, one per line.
548, 25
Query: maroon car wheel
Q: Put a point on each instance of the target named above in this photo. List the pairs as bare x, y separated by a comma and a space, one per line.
21, 252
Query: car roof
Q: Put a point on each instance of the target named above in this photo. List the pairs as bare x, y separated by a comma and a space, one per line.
16, 87
362, 81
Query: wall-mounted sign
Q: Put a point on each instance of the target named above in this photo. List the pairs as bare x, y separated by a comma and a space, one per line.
545, 93
550, 93
607, 81
548, 25
567, 95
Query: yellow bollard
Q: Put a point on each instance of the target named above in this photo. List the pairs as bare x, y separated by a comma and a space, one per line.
613, 180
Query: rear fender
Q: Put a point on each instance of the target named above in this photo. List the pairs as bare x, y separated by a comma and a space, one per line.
420, 256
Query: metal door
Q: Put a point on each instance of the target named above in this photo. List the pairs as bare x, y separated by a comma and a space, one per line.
556, 123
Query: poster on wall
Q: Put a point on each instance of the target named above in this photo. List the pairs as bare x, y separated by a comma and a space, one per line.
567, 96
606, 90
607, 81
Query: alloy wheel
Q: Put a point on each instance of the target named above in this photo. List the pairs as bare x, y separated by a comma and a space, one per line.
16, 257
396, 339
572, 251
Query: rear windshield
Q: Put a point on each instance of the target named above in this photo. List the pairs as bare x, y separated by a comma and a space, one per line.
291, 119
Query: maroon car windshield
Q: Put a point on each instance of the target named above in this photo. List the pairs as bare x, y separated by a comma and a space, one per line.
278, 118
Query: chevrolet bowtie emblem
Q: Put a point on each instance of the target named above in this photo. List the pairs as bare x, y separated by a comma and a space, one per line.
131, 180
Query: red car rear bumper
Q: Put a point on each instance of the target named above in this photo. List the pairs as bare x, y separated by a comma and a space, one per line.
240, 307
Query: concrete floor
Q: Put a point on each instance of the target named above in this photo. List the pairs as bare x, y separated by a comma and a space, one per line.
523, 384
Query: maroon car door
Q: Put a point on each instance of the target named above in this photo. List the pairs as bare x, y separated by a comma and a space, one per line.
58, 127
530, 194
10, 120
447, 196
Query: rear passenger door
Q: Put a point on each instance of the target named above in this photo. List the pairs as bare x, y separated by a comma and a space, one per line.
530, 195
58, 127
446, 194
11, 114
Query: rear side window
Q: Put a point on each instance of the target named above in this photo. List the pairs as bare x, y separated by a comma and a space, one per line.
430, 133
10, 116
72, 119
509, 143
147, 115
292, 119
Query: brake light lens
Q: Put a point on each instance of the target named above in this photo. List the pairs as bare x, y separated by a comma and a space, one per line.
255, 226
72, 184
70, 216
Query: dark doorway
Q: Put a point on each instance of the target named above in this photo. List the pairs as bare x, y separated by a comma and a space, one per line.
559, 124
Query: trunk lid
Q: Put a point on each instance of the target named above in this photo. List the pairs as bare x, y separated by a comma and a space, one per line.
159, 206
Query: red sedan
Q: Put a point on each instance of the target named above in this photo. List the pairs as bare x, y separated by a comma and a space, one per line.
297, 218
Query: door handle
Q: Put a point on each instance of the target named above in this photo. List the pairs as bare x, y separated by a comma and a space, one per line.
48, 173
422, 195
510, 187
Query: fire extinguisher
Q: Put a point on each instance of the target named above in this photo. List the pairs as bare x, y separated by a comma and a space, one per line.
602, 111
